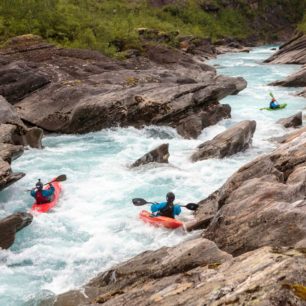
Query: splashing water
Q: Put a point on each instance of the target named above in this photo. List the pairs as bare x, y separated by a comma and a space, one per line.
95, 225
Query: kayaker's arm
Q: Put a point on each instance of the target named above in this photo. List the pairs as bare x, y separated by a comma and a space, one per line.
157, 207
177, 210
48, 192
33, 192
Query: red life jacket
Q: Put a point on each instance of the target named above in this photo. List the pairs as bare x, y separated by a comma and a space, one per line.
40, 199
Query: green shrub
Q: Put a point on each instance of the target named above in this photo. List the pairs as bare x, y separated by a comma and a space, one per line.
110, 25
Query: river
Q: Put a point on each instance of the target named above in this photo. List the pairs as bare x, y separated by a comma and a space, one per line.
95, 224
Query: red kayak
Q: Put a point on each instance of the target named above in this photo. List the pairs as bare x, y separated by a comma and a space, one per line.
159, 221
42, 208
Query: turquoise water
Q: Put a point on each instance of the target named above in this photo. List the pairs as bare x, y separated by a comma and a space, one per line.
95, 225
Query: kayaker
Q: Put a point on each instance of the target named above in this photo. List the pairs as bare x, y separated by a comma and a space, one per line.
41, 195
166, 209
274, 104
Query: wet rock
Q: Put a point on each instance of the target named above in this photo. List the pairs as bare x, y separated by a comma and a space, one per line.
9, 152
88, 91
289, 137
10, 225
14, 135
263, 203
297, 79
236, 139
292, 52
303, 93
292, 121
267, 276
7, 177
157, 155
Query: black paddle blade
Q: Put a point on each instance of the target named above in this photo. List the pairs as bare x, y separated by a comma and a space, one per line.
139, 202
192, 206
60, 178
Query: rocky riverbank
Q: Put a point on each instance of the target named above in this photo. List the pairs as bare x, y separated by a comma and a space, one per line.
79, 91
292, 52
253, 250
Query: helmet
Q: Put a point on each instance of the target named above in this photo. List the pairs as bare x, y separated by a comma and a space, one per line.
273, 99
170, 197
39, 185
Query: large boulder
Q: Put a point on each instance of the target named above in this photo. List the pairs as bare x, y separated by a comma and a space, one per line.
236, 139
10, 225
297, 79
292, 121
16, 131
14, 135
165, 262
19, 79
8, 113
263, 203
78, 91
157, 155
268, 276
292, 52
7, 177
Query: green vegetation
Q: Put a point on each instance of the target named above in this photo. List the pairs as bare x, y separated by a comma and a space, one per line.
110, 25
302, 25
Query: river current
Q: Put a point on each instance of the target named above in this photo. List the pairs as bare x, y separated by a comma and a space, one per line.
95, 224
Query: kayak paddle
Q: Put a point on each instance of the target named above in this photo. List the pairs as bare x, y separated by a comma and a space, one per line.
140, 202
60, 178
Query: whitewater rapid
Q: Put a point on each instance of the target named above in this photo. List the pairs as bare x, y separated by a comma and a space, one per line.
95, 224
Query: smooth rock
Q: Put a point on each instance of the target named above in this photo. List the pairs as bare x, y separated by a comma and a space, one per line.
266, 277
235, 139
79, 91
16, 132
297, 79
150, 265
19, 79
7, 113
292, 52
292, 121
263, 203
10, 225
157, 155
9, 152
7, 177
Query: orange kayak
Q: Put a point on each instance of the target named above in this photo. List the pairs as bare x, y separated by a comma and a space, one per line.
43, 208
159, 221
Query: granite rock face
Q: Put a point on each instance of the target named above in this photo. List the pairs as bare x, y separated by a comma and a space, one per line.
263, 203
292, 121
297, 79
236, 139
79, 91
10, 225
267, 276
292, 52
157, 155
14, 135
